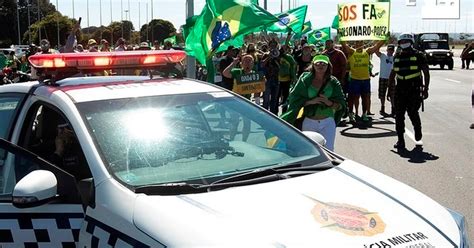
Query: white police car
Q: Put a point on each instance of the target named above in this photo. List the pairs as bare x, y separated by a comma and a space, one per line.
172, 162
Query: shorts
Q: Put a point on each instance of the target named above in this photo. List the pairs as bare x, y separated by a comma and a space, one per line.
359, 87
383, 86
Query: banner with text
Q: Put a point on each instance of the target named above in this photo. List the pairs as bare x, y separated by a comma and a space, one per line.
363, 21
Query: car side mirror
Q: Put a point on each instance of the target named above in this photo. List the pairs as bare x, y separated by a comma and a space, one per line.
316, 137
35, 189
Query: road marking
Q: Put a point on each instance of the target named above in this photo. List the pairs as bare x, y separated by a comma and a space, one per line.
412, 137
452, 80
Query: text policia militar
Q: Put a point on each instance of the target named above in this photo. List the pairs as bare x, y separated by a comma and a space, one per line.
362, 31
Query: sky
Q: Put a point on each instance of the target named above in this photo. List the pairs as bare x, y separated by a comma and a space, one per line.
320, 12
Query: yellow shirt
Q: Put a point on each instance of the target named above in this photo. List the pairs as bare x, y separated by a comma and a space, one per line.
359, 64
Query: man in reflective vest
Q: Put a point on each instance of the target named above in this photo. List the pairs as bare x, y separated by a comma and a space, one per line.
412, 80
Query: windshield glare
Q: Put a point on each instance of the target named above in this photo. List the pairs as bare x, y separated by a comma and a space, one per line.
191, 138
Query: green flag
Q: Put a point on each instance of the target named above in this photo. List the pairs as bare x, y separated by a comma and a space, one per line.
171, 39
306, 29
189, 25
221, 21
319, 35
292, 19
335, 22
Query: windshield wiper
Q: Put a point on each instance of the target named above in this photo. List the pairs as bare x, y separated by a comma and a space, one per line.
170, 189
248, 178
185, 188
257, 173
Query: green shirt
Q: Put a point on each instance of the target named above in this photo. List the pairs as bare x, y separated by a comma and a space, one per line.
3, 61
304, 91
287, 70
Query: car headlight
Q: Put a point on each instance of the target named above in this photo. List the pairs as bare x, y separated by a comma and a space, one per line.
431, 54
462, 226
448, 54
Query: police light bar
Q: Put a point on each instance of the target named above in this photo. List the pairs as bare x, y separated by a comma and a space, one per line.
105, 60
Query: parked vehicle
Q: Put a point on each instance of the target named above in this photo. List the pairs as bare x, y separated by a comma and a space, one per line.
435, 46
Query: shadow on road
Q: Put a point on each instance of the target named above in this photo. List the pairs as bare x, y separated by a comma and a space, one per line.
384, 132
417, 155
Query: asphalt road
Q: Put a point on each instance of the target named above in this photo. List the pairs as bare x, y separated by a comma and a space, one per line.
443, 168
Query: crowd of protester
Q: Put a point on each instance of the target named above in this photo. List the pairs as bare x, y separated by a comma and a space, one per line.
323, 82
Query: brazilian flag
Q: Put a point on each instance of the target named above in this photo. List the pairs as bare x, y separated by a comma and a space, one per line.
306, 29
292, 19
335, 22
223, 21
319, 35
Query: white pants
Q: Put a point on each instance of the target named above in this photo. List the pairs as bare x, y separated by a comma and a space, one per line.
325, 127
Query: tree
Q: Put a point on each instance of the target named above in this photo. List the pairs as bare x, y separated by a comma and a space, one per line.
8, 18
49, 27
157, 29
464, 36
116, 29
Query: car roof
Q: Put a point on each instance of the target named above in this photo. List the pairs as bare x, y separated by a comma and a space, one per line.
84, 89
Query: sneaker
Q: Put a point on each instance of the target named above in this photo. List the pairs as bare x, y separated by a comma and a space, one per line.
472, 126
368, 113
365, 118
351, 117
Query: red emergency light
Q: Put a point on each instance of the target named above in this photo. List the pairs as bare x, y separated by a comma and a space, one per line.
106, 60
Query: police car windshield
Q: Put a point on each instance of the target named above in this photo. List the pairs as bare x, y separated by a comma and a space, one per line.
199, 137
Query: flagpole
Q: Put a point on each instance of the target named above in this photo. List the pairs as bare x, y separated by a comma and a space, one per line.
112, 31
147, 22
39, 19
129, 12
18, 20
88, 16
139, 17
72, 9
100, 18
57, 22
190, 61
151, 9
29, 21
121, 15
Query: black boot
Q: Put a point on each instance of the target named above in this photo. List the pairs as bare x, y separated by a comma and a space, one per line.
400, 144
418, 134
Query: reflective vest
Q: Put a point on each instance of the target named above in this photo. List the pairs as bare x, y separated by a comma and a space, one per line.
407, 66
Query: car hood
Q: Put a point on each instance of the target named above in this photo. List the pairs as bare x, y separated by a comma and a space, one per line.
348, 206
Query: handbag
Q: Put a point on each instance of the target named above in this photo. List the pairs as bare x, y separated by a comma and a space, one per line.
300, 117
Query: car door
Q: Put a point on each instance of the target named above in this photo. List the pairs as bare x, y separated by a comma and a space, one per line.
52, 223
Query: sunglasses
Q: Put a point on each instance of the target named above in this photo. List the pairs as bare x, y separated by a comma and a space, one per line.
320, 63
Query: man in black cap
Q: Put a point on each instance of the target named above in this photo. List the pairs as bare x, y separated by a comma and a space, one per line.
224, 63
